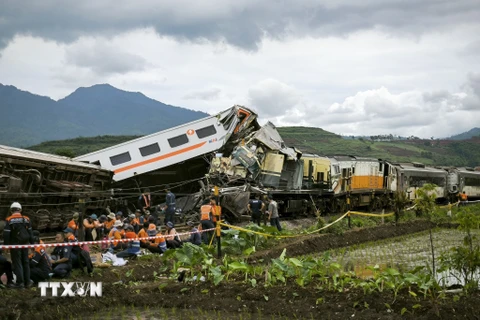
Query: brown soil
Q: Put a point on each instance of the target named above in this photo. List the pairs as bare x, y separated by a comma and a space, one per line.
397, 151
239, 300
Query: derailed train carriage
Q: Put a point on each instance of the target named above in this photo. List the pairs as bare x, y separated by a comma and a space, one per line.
230, 150
308, 183
50, 188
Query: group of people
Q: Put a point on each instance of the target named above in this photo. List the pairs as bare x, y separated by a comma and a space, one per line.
126, 235
264, 210
31, 268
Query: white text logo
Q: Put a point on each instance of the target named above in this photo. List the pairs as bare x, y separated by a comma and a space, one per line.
71, 289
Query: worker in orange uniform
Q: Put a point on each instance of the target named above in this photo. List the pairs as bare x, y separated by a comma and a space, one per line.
115, 235
110, 221
18, 230
40, 264
206, 220
73, 224
172, 238
149, 244
463, 198
159, 241
89, 226
133, 246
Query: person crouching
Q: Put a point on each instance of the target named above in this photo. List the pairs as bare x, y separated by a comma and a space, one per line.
133, 247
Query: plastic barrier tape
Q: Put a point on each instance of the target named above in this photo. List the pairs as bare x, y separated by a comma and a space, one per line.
372, 214
286, 236
78, 243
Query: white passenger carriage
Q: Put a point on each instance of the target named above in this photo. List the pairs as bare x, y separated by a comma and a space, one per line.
171, 146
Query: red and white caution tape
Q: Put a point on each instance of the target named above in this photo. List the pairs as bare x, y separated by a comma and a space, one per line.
81, 243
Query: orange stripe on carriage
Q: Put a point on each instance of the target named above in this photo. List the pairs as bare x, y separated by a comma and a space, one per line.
165, 156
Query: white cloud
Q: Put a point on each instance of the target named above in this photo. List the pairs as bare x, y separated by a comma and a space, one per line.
272, 98
103, 58
413, 74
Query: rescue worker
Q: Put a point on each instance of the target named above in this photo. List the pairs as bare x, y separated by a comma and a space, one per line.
100, 227
170, 205
61, 258
73, 224
264, 210
255, 207
142, 233
206, 221
195, 237
145, 200
110, 222
463, 198
273, 213
6, 267
160, 239
133, 246
119, 216
172, 238
140, 218
89, 226
18, 230
116, 235
132, 220
149, 230
75, 254
40, 264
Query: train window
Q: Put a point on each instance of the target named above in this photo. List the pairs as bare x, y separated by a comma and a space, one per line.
205, 132
150, 149
120, 158
228, 120
353, 171
320, 176
178, 140
380, 167
474, 182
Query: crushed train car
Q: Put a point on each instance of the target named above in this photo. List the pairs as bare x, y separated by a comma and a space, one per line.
49, 187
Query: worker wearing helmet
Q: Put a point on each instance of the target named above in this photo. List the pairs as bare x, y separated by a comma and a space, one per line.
73, 224
18, 230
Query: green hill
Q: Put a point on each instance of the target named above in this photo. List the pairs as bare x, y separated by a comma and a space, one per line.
475, 132
319, 141
431, 152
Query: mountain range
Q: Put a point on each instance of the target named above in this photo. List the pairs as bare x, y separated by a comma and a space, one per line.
28, 119
111, 115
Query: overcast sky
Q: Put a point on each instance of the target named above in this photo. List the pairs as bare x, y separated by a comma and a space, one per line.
370, 67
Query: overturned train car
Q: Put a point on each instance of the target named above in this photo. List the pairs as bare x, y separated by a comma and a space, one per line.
49, 188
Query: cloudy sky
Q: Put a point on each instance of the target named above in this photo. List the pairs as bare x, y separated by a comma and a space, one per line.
404, 67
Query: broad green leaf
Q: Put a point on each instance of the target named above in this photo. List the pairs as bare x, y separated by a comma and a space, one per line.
237, 266
249, 251
296, 262
218, 279
282, 256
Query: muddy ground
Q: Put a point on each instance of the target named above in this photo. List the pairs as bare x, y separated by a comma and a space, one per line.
201, 300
